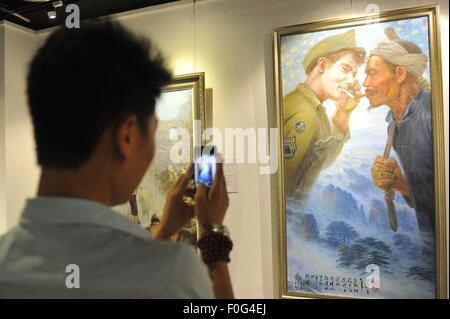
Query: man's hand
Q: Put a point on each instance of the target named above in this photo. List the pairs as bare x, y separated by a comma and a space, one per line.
345, 106
346, 103
386, 173
176, 212
210, 207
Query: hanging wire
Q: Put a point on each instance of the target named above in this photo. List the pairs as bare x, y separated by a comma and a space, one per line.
194, 37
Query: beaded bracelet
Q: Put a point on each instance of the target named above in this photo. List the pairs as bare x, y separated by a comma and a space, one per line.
215, 247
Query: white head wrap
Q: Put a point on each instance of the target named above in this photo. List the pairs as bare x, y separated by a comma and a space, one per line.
395, 53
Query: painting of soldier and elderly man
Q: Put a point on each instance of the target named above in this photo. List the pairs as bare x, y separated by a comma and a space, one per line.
175, 108
357, 116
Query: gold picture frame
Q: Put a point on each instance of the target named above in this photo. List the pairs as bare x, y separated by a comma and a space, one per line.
181, 105
196, 83
291, 46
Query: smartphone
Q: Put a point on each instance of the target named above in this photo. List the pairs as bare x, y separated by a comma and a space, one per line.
204, 165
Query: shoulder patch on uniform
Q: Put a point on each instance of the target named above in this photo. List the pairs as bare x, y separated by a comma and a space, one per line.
300, 127
290, 146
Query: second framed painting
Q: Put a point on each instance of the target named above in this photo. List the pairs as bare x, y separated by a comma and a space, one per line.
181, 105
360, 116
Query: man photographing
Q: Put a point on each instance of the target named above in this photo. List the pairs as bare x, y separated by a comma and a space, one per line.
95, 140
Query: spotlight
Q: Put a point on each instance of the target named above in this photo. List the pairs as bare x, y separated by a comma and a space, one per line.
57, 4
51, 14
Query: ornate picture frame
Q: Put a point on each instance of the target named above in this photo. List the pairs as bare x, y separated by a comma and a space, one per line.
180, 106
340, 234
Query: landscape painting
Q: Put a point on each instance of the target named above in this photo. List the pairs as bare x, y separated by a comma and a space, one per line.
179, 105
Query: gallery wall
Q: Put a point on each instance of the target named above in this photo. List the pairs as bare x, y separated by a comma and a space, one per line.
231, 41
2, 132
18, 170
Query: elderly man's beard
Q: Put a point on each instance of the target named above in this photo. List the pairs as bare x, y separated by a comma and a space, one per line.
371, 106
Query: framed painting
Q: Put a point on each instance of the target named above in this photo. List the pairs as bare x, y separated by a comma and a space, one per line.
181, 105
361, 183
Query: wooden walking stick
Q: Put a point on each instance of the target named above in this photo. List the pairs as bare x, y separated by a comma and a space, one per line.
389, 194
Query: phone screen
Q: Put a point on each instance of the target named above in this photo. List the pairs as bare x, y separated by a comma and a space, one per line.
205, 166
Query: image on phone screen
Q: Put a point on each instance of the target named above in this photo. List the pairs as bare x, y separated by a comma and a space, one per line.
205, 168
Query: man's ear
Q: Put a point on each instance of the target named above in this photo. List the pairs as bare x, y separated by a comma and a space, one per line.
154, 120
322, 63
400, 74
125, 136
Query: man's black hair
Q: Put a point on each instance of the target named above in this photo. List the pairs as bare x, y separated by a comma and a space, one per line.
83, 81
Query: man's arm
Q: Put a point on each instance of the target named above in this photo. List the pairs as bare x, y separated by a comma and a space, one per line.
221, 279
189, 277
340, 120
177, 212
210, 207
299, 129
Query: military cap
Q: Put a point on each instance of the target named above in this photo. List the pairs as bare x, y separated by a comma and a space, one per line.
331, 44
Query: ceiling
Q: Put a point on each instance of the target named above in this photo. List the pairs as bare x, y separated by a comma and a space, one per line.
36, 10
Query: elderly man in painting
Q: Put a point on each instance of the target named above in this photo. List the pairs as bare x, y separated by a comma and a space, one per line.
311, 141
394, 78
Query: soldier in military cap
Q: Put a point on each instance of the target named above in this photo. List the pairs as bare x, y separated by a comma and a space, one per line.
311, 140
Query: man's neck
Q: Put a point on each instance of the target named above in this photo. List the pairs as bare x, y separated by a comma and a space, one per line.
401, 103
80, 183
316, 86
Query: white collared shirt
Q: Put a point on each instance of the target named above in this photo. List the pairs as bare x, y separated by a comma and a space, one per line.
116, 257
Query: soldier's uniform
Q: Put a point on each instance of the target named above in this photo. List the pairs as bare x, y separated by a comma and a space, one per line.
311, 142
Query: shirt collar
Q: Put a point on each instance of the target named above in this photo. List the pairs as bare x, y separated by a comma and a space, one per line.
413, 106
69, 210
309, 94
